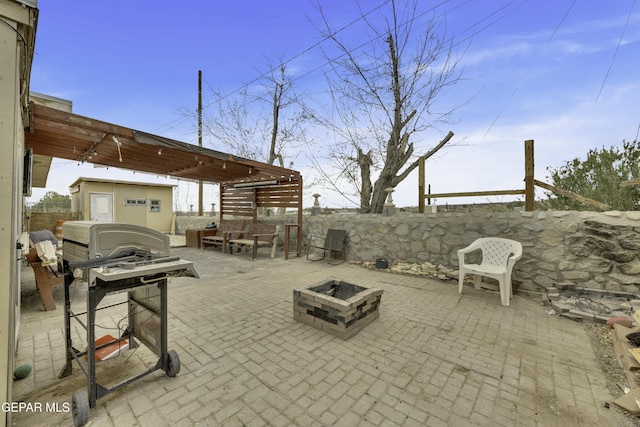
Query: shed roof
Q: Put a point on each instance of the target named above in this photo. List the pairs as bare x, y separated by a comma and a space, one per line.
117, 181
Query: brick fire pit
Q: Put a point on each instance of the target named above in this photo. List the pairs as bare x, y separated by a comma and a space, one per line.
337, 307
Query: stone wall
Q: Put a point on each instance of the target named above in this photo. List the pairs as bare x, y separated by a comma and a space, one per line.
589, 249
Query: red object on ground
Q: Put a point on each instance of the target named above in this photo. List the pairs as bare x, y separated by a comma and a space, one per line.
108, 351
623, 321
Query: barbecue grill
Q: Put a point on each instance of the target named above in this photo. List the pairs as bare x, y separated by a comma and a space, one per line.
114, 258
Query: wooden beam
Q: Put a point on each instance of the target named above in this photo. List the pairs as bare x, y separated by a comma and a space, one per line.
571, 195
635, 181
476, 193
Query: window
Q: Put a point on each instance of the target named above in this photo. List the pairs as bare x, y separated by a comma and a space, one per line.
135, 202
154, 205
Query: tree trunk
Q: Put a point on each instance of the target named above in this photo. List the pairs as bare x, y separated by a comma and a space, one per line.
398, 142
365, 163
277, 96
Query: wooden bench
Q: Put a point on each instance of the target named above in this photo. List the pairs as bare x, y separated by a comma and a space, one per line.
45, 277
259, 235
227, 229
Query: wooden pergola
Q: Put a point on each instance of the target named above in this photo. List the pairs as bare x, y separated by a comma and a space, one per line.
245, 185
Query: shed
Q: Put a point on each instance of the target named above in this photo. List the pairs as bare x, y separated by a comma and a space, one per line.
145, 204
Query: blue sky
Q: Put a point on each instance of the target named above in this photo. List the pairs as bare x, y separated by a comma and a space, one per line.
561, 72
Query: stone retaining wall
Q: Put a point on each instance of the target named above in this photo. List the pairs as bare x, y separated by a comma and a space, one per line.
589, 249
185, 222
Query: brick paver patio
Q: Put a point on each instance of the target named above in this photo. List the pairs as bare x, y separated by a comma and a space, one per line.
432, 358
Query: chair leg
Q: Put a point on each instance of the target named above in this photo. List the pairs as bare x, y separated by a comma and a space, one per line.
460, 282
505, 292
316, 247
273, 249
477, 279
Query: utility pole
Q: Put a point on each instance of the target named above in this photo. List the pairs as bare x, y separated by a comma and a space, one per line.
200, 192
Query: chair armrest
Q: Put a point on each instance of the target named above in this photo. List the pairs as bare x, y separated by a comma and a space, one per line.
230, 233
472, 247
310, 241
257, 236
511, 261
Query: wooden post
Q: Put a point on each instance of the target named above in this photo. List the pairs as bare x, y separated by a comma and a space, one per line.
200, 190
221, 204
529, 186
421, 185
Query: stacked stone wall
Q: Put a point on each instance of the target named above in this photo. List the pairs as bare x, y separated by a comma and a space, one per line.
598, 250
589, 249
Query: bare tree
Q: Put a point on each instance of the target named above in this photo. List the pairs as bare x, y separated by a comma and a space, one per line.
384, 93
266, 125
288, 120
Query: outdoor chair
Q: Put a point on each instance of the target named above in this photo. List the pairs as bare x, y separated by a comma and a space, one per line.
259, 235
333, 243
498, 258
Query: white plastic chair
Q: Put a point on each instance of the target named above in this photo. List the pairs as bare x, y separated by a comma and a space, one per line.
498, 258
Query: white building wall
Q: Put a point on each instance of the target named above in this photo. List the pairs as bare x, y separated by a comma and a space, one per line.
16, 53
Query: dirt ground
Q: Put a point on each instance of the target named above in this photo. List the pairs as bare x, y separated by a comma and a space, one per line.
602, 343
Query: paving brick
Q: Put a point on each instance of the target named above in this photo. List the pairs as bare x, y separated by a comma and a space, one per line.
205, 411
349, 419
484, 406
152, 419
377, 389
436, 422
319, 406
183, 412
124, 420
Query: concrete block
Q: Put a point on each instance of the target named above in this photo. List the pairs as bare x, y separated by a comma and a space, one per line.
583, 314
560, 307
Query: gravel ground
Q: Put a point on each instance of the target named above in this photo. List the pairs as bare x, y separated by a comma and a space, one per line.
602, 343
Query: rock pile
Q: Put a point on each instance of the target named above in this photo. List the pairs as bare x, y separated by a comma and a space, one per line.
578, 303
425, 269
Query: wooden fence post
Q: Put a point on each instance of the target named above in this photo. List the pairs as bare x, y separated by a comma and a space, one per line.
421, 180
529, 187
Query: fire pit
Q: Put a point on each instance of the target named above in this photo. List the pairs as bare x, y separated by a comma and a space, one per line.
337, 307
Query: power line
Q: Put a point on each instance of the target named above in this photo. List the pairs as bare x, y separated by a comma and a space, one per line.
174, 123
615, 53
318, 43
562, 20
